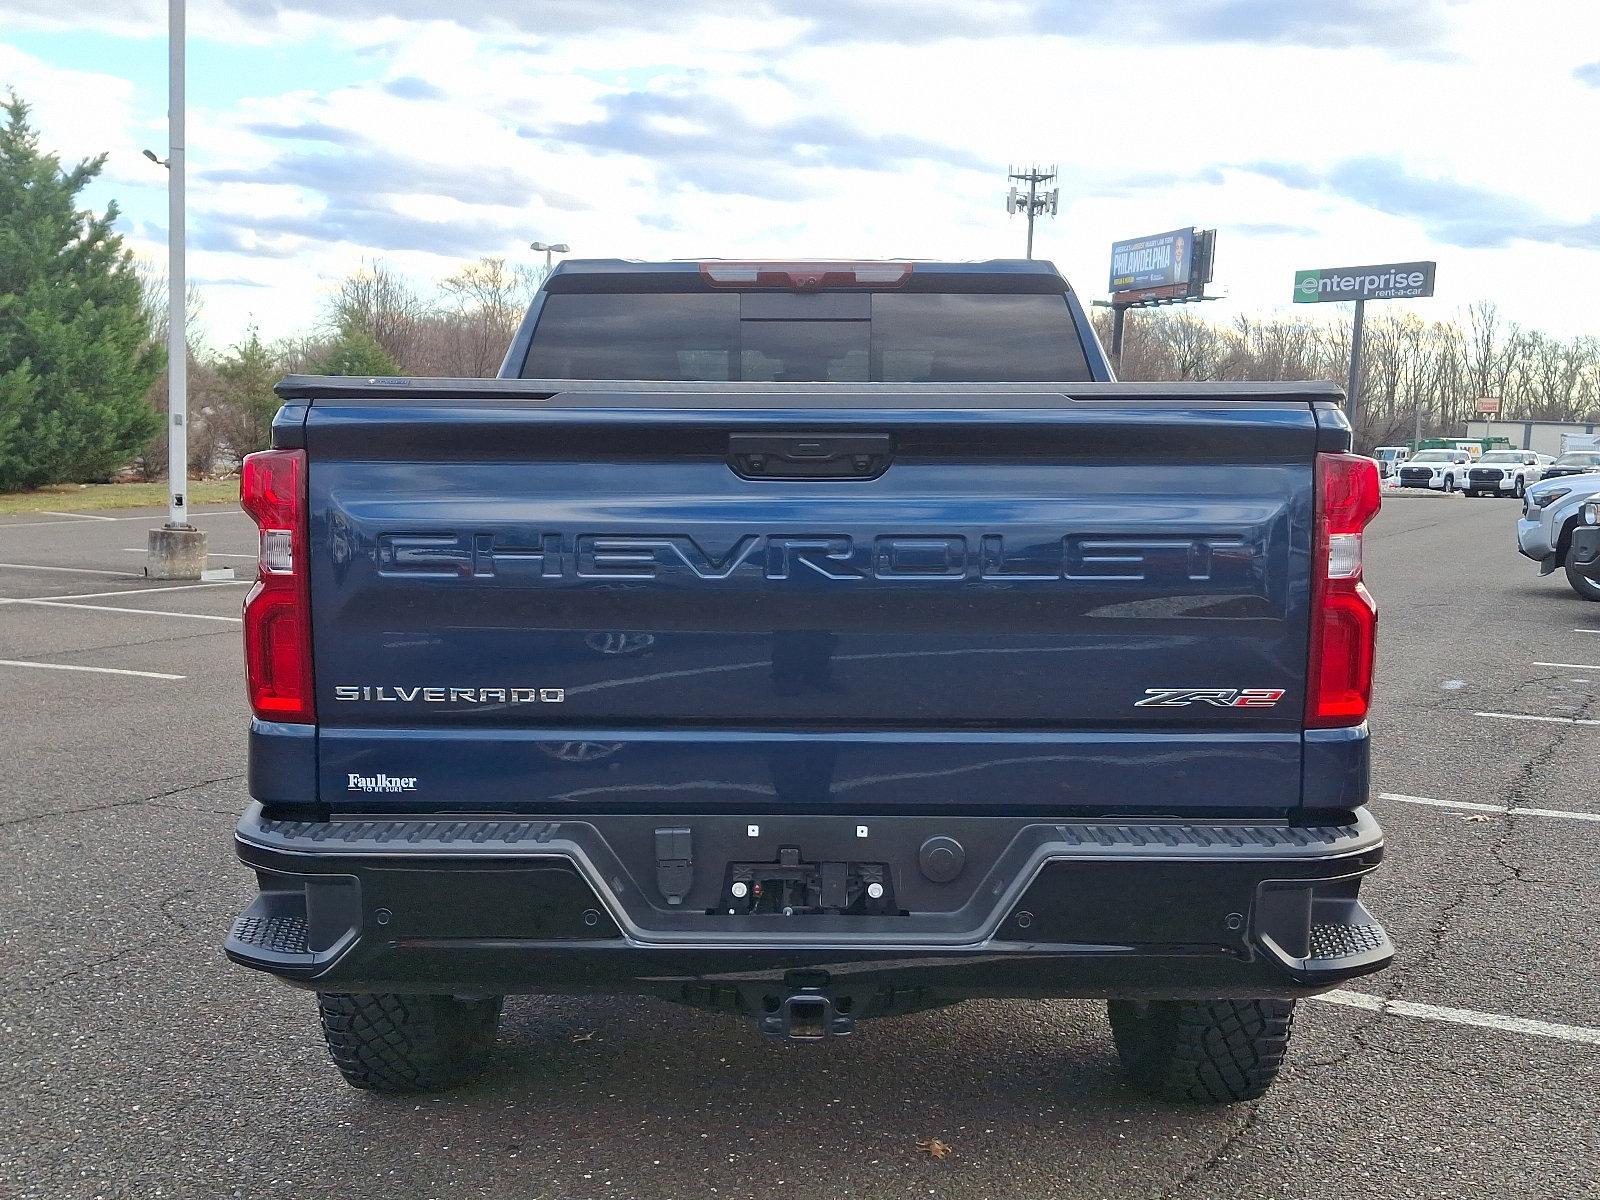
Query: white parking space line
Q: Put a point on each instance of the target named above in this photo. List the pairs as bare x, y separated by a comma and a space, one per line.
1463, 1016
209, 554
34, 524
138, 612
76, 516
155, 591
1562, 666
16, 662
1502, 809
1533, 717
68, 570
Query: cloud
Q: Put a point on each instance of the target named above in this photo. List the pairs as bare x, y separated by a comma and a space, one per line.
368, 226
364, 168
328, 131
409, 87
226, 233
1267, 229
712, 144
1289, 174
305, 131
1402, 26
210, 281
1454, 213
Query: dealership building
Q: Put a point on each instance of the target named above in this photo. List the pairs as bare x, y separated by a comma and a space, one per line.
1542, 437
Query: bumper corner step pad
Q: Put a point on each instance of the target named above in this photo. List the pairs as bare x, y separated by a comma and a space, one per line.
1353, 943
1333, 941
284, 937
296, 928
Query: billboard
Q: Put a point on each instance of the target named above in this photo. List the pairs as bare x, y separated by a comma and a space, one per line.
1387, 281
1160, 260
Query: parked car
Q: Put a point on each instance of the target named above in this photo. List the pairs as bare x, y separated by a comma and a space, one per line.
971, 673
1575, 462
1441, 470
1584, 555
1551, 512
1504, 473
1389, 459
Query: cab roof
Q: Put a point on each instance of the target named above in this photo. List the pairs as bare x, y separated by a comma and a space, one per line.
1017, 276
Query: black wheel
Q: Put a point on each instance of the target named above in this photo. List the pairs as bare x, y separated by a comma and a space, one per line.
1202, 1051
1522, 487
1582, 584
390, 1043
1449, 483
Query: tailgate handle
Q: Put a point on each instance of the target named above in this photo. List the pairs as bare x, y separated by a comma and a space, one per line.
809, 455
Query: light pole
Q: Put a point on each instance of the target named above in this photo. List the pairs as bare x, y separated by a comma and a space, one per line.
177, 550
549, 249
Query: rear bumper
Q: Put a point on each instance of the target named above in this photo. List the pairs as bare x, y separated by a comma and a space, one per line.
1083, 909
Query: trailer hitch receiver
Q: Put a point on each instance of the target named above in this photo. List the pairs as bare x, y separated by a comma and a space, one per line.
808, 1016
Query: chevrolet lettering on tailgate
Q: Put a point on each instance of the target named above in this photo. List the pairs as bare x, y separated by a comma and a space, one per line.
988, 557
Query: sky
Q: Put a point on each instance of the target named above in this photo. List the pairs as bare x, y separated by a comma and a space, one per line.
328, 133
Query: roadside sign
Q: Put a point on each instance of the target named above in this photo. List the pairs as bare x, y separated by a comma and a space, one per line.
1386, 281
1163, 268
1162, 260
1489, 404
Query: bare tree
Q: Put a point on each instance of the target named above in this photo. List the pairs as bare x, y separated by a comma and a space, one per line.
378, 302
483, 303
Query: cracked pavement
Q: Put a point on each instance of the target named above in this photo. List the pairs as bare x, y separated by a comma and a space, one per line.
140, 1063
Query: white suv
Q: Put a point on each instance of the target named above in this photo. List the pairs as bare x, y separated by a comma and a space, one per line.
1503, 473
1442, 470
1551, 512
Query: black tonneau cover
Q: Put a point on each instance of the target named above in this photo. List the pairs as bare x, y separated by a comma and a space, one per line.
609, 393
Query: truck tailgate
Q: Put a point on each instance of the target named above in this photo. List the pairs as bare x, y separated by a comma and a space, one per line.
577, 599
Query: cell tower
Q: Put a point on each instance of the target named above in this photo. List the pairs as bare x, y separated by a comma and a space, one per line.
1035, 202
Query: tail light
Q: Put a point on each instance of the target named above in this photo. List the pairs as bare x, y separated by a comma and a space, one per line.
277, 612
806, 277
1344, 619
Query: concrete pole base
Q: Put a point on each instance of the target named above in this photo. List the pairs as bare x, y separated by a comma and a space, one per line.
175, 553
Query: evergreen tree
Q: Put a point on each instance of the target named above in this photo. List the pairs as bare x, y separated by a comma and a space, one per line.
355, 353
77, 351
245, 377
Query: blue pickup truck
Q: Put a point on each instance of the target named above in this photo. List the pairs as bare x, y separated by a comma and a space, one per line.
813, 642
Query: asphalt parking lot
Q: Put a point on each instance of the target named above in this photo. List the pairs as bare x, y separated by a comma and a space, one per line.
140, 1063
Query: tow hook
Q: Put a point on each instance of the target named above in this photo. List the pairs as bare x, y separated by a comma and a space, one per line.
808, 1016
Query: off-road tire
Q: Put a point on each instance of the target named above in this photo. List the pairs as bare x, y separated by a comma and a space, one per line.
1202, 1051
1449, 483
1582, 584
402, 1043
1521, 489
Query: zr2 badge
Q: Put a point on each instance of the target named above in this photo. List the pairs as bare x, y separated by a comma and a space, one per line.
1216, 697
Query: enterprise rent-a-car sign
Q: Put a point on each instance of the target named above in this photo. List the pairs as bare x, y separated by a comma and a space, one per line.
1162, 260
1390, 281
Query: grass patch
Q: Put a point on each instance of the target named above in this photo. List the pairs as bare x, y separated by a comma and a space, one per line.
74, 497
